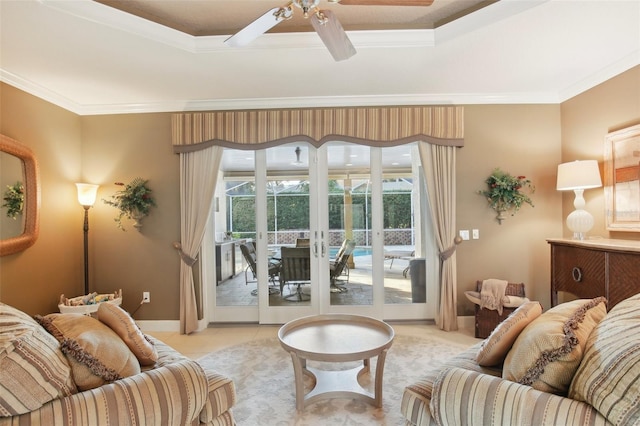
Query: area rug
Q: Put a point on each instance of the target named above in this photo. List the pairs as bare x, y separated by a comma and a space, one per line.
263, 374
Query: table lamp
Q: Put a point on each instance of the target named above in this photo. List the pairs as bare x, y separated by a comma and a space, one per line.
578, 176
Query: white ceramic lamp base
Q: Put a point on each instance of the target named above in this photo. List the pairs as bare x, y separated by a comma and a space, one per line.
579, 221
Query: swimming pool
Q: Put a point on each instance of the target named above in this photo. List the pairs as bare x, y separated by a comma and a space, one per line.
359, 251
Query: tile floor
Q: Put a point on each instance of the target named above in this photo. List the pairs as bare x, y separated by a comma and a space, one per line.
397, 287
197, 345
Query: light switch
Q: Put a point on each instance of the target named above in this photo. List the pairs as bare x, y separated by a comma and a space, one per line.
475, 234
464, 234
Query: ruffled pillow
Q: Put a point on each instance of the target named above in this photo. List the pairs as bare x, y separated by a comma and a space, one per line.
96, 353
548, 351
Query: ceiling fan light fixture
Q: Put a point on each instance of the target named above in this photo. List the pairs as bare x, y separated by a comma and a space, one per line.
298, 151
306, 5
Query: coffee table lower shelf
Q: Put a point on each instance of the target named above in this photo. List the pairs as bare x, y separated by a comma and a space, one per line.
328, 384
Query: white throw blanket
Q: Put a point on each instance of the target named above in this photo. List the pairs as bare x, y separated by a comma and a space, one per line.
492, 294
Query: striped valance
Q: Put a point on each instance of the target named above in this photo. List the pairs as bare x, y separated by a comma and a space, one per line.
258, 129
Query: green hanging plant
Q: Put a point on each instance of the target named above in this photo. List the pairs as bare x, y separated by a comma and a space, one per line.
134, 201
504, 192
14, 200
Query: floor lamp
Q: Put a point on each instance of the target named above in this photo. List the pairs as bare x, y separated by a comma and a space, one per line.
578, 176
86, 197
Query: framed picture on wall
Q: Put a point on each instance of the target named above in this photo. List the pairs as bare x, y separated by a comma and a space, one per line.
622, 179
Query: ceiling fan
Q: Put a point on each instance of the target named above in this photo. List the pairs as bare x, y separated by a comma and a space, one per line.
324, 22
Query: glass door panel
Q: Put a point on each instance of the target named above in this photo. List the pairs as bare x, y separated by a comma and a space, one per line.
290, 242
410, 257
233, 215
349, 220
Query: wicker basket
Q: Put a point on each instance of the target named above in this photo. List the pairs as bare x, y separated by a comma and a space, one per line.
73, 306
487, 319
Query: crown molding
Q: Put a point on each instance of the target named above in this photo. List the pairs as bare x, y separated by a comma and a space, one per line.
620, 66
114, 18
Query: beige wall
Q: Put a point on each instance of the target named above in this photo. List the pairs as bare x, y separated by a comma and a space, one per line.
119, 148
586, 120
34, 279
521, 139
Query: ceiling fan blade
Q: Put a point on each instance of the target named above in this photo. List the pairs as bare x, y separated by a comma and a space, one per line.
333, 36
386, 2
255, 29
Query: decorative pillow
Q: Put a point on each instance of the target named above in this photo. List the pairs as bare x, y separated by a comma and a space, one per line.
121, 322
607, 378
33, 370
548, 351
495, 348
95, 352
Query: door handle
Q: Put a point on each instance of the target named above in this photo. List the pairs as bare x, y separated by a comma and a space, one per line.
315, 244
324, 249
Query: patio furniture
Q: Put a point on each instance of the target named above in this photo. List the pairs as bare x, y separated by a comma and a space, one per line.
394, 254
249, 252
303, 242
339, 265
295, 269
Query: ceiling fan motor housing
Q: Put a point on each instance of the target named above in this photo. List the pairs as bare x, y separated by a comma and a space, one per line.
306, 5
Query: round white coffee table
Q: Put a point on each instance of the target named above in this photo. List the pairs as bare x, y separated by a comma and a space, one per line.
336, 338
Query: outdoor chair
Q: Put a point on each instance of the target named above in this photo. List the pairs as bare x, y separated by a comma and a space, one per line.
339, 266
249, 252
295, 269
303, 242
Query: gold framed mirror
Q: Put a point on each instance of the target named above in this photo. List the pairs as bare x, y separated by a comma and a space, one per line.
622, 179
30, 214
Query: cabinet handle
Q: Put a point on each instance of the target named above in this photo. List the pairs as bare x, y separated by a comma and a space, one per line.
576, 274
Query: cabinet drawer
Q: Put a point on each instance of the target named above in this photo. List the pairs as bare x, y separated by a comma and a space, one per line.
579, 271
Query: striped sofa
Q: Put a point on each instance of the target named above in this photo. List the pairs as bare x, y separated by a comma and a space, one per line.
604, 390
174, 391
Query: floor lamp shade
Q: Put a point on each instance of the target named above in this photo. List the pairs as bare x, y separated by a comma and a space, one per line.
578, 176
87, 193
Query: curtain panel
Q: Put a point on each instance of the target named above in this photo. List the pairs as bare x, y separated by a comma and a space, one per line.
374, 126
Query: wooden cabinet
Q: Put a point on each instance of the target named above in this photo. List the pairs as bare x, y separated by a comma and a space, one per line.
592, 268
225, 261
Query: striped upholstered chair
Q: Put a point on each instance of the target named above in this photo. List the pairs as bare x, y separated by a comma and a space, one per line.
38, 386
596, 380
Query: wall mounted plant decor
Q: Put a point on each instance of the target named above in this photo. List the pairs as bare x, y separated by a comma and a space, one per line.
504, 193
134, 202
14, 200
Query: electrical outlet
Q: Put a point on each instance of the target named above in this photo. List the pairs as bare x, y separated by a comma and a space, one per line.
476, 234
146, 297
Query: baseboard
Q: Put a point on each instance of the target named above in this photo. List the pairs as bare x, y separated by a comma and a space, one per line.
466, 323
159, 325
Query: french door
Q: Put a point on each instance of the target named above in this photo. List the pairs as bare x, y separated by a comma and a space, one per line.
298, 194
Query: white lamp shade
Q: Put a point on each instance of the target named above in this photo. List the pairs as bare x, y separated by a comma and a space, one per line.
87, 193
578, 175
